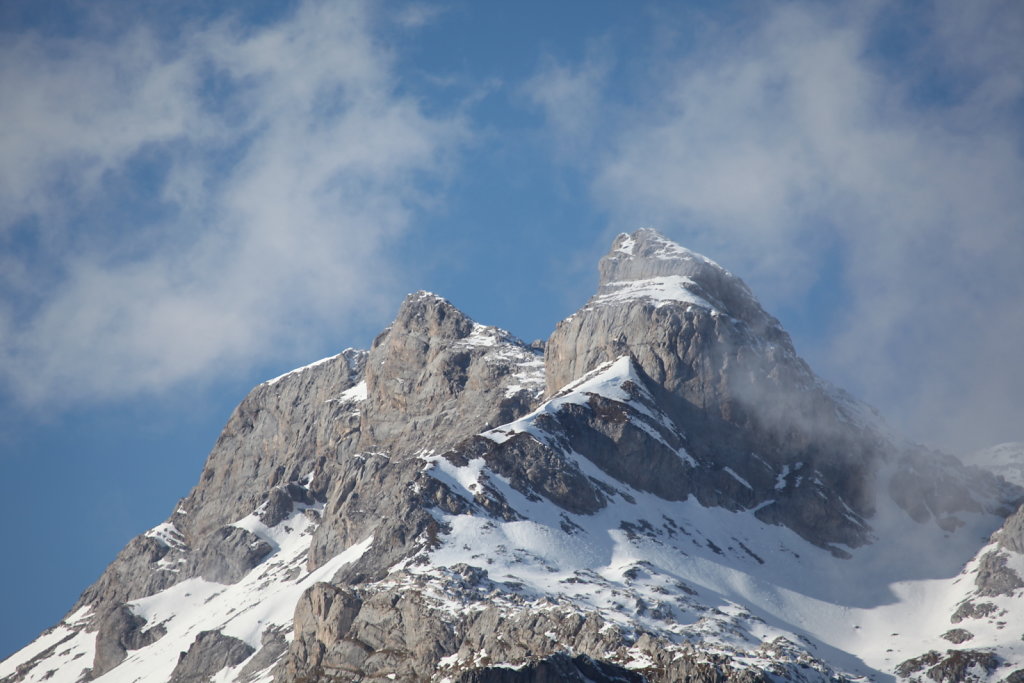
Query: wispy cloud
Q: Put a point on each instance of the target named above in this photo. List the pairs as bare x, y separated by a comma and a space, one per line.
418, 14
820, 129
570, 97
273, 166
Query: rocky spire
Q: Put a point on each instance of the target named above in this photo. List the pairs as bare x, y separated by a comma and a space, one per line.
647, 265
647, 282
435, 376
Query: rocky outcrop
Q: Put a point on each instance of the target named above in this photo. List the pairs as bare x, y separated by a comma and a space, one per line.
435, 377
1011, 536
955, 666
210, 652
274, 645
321, 431
727, 376
995, 578
135, 573
671, 325
120, 631
958, 635
226, 555
532, 468
340, 636
972, 610
397, 634
276, 436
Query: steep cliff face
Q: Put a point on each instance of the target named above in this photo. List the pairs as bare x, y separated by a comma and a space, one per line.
666, 492
435, 377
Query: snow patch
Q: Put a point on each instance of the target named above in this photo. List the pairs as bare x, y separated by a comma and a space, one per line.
271, 382
264, 598
354, 394
667, 289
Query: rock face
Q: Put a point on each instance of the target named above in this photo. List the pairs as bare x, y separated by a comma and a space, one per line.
643, 274
211, 652
436, 377
120, 631
664, 492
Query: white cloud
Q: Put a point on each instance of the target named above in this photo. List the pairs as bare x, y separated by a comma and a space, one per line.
570, 98
418, 14
286, 162
772, 144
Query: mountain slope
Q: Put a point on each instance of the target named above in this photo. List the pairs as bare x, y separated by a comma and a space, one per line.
665, 491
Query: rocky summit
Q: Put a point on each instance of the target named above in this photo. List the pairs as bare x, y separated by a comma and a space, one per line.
663, 491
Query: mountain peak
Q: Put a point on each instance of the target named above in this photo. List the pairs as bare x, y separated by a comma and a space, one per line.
646, 253
428, 316
646, 265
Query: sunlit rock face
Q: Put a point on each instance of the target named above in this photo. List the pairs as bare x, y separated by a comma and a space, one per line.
664, 491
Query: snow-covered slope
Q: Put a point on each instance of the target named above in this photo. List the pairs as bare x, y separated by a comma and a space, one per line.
685, 500
722, 580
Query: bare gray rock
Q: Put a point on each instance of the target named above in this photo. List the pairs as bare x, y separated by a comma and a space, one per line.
278, 435
972, 610
666, 342
273, 647
135, 573
955, 666
436, 377
340, 636
281, 433
227, 554
727, 376
995, 578
1011, 535
957, 635
532, 469
120, 630
210, 652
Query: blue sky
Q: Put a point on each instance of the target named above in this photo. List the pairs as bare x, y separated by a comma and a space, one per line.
195, 197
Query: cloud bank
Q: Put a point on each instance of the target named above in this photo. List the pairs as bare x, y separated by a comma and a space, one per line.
811, 137
173, 206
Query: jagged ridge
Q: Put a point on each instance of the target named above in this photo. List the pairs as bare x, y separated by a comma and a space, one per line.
426, 509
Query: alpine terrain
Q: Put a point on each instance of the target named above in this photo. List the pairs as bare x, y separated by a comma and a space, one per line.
662, 491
